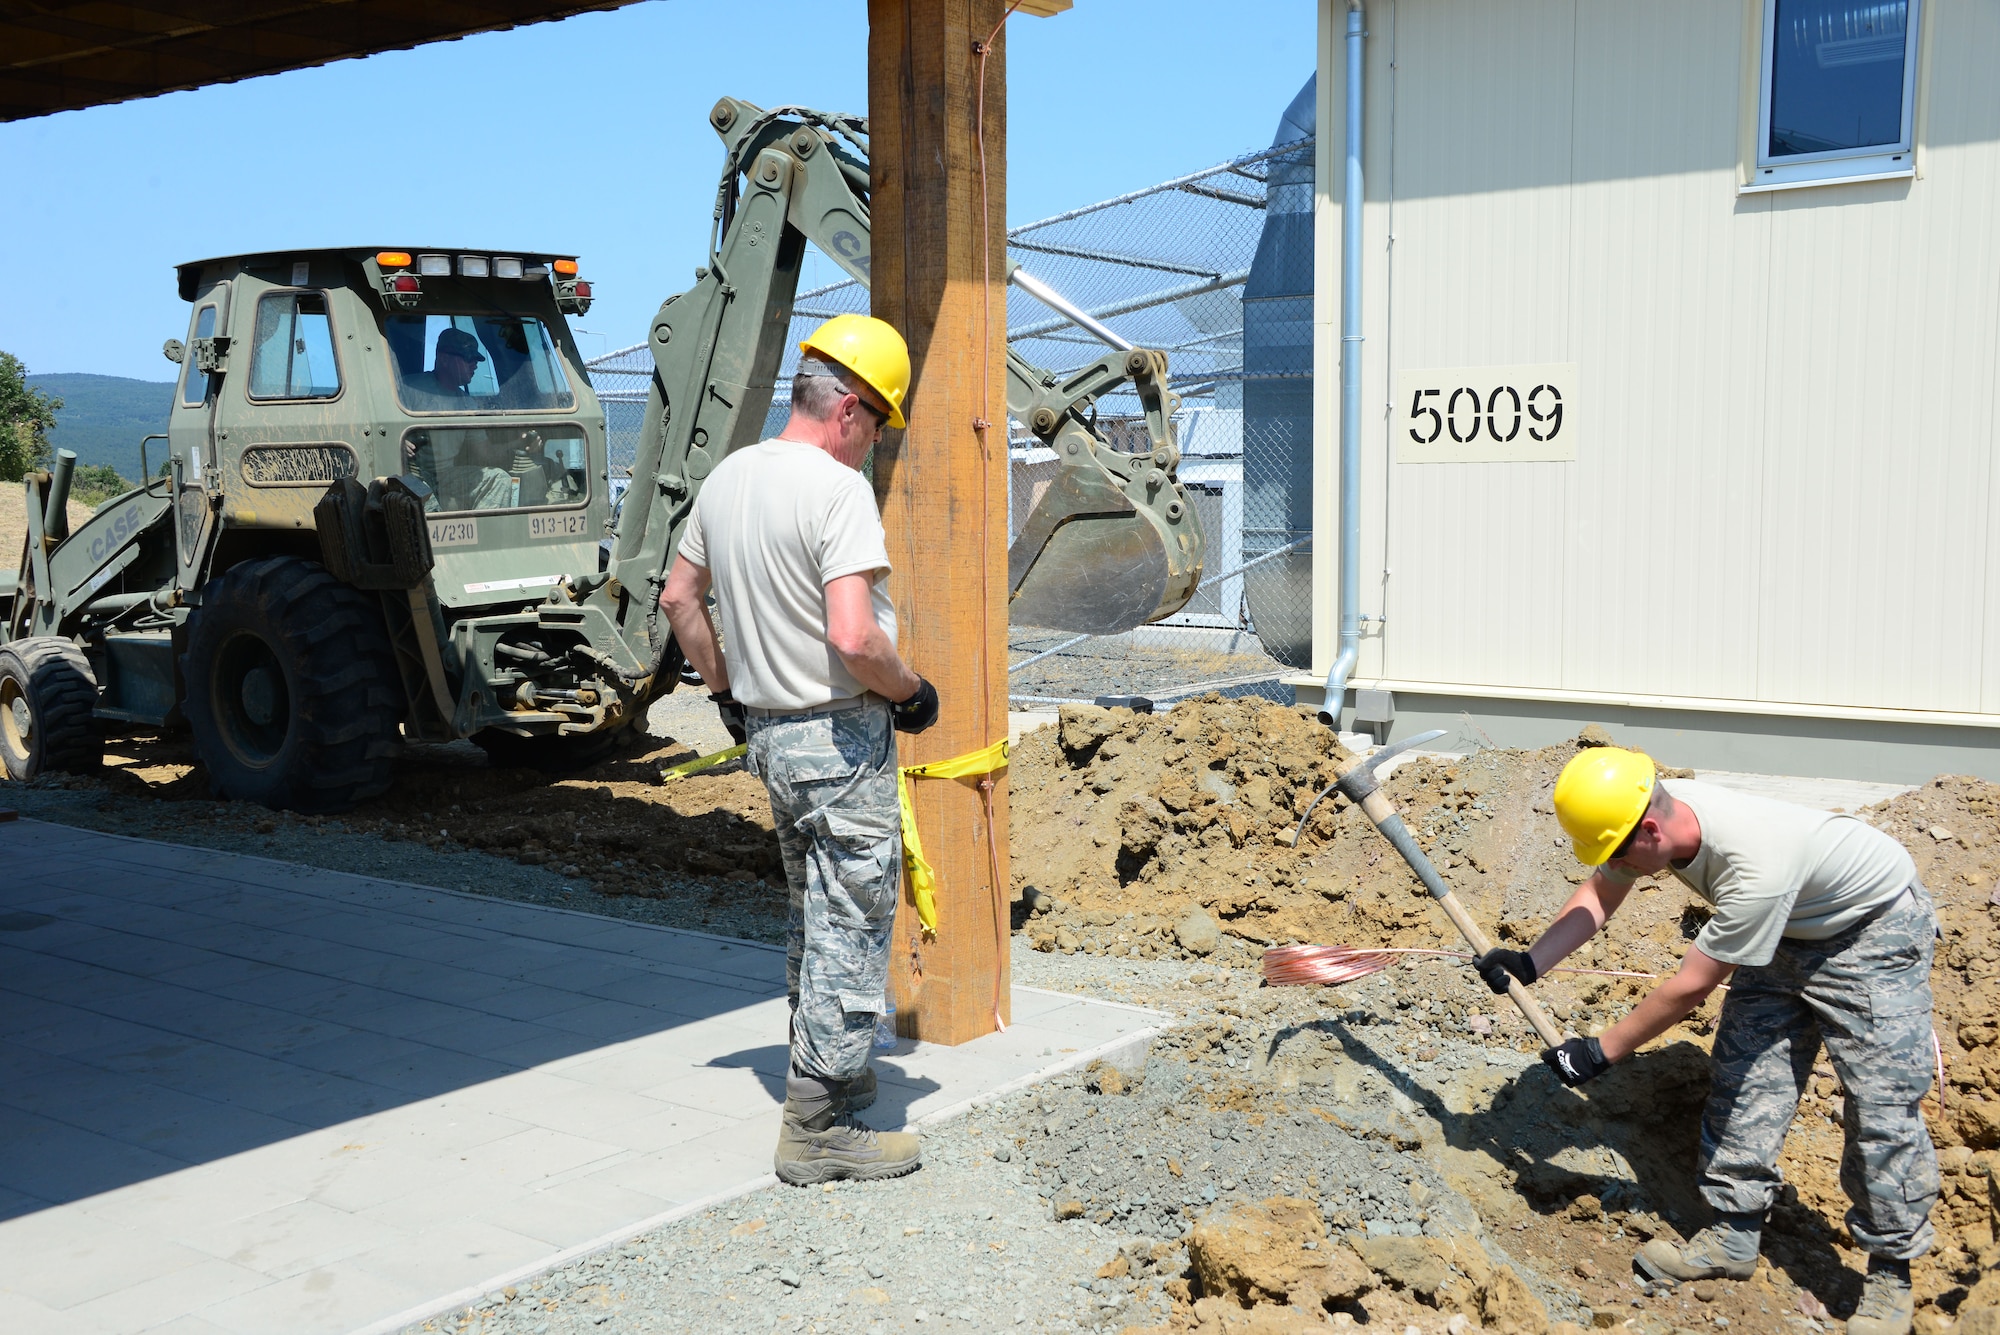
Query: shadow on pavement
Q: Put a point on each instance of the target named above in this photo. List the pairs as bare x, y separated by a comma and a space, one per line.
163, 1007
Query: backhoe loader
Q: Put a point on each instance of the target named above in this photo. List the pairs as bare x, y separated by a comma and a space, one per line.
385, 501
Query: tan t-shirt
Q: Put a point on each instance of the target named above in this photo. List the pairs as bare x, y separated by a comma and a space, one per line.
1773, 869
773, 524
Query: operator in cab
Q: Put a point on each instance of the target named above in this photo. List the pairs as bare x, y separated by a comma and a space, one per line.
787, 533
454, 362
1829, 934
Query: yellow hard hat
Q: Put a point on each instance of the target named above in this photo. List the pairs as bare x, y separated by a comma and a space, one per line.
870, 348
1600, 796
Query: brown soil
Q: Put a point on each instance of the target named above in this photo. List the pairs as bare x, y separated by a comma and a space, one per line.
1123, 823
615, 826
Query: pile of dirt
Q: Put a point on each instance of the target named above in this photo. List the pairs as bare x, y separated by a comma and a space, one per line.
1169, 835
1125, 824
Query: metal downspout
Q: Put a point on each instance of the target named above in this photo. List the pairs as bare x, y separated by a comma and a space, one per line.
1334, 693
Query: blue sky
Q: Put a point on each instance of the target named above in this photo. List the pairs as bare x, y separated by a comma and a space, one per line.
588, 135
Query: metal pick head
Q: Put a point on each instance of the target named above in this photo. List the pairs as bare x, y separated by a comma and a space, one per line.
1376, 761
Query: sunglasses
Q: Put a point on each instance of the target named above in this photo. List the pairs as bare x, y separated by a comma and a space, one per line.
881, 418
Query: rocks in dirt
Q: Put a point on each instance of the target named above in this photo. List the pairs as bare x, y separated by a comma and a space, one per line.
1197, 932
1083, 728
1408, 1263
1274, 1252
1102, 1078
1511, 1307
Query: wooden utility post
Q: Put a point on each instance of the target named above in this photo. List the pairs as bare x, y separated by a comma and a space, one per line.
939, 276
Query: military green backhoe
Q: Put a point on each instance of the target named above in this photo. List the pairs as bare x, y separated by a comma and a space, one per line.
385, 498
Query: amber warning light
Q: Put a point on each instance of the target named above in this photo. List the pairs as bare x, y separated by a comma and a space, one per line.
567, 268
393, 259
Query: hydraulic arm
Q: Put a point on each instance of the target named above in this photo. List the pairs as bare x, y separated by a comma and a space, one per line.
1112, 543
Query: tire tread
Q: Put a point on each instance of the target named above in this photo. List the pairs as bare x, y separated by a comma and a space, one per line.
63, 689
348, 699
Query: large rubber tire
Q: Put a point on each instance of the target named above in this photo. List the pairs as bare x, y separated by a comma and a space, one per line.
553, 755
292, 691
47, 698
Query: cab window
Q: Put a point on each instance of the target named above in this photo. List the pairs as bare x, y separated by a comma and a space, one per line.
194, 382
499, 468
476, 363
291, 355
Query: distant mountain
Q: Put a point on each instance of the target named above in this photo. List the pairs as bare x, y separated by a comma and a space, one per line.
104, 416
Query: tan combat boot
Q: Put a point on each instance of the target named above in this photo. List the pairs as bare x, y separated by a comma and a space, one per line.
1887, 1306
816, 1145
1702, 1258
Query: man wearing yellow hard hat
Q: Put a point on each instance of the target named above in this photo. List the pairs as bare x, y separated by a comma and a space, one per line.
787, 534
1829, 933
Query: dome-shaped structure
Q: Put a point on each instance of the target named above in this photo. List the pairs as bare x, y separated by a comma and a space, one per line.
1278, 396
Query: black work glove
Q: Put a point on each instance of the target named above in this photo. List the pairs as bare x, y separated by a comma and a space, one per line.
1496, 966
918, 712
1576, 1061
733, 717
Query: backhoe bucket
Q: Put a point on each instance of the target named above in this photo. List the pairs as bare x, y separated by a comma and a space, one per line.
1092, 559
1113, 542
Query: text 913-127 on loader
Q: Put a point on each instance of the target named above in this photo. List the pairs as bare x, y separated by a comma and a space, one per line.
385, 501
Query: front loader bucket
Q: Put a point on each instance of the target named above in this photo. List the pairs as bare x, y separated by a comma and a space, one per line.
1113, 543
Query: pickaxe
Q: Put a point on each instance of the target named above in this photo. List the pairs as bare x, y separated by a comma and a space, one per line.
1356, 780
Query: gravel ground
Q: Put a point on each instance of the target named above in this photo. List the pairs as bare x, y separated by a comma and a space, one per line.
1061, 1208
1148, 661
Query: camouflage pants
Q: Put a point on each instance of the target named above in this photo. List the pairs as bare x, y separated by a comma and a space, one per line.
1867, 995
832, 781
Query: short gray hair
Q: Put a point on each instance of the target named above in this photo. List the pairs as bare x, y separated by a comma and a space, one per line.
816, 386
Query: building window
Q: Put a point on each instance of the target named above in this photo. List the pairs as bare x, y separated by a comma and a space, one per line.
1838, 92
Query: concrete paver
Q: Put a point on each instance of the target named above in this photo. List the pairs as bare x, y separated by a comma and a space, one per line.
248, 1096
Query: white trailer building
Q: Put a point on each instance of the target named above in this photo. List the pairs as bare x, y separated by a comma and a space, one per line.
1680, 369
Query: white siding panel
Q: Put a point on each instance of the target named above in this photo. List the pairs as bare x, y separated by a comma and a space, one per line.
1785, 482
1662, 526
1877, 468
1481, 278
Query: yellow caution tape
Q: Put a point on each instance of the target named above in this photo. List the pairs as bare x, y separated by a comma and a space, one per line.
923, 881
687, 767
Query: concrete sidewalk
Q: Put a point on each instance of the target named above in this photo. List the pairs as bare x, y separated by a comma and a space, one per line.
250, 1096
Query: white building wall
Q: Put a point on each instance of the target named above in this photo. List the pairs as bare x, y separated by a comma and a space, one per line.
1783, 493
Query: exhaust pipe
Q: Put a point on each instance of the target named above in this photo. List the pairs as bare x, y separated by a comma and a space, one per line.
55, 519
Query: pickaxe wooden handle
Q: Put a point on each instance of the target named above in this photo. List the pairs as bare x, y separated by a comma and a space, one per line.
1357, 780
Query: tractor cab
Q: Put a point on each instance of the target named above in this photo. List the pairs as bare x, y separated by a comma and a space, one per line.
454, 369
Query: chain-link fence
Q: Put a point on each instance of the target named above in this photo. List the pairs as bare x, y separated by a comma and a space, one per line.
1175, 266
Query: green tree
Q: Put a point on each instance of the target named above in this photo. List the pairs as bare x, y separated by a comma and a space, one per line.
94, 484
26, 417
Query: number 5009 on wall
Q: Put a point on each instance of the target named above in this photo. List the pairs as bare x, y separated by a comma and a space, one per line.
1487, 414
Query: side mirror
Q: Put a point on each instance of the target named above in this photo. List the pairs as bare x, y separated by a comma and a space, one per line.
173, 350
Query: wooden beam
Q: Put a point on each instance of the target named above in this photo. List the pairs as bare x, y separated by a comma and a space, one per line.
939, 276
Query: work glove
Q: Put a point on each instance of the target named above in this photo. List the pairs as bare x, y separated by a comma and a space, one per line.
733, 717
918, 712
1576, 1061
1496, 966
